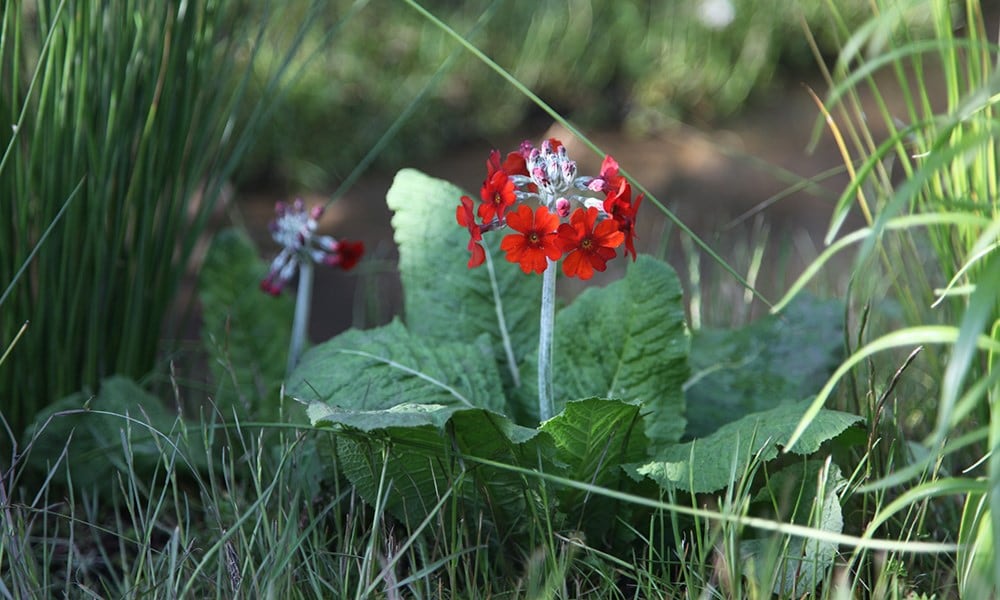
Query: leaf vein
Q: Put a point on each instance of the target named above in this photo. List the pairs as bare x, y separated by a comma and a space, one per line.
413, 372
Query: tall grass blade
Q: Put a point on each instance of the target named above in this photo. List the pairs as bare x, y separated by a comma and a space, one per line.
121, 142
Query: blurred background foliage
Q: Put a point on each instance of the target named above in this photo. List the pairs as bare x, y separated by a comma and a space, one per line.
634, 64
116, 119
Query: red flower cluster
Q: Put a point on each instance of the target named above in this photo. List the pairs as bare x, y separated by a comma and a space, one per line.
594, 229
618, 203
294, 228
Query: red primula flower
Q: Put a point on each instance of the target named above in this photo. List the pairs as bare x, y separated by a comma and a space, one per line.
622, 208
466, 218
271, 285
294, 228
514, 164
537, 240
346, 254
609, 179
498, 194
589, 245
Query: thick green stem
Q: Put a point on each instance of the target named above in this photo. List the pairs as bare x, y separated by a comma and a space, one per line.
546, 328
302, 302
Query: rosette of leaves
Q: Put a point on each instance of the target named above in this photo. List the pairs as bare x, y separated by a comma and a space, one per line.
439, 403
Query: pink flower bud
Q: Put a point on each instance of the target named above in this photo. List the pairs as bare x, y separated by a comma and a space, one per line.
562, 207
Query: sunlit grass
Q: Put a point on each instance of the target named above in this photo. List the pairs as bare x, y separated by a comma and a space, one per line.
929, 193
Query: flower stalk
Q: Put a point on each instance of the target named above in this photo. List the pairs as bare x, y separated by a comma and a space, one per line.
303, 302
546, 335
294, 229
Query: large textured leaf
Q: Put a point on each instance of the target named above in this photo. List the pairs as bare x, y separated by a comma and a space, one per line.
245, 332
425, 451
628, 341
402, 415
798, 565
777, 359
446, 300
384, 367
593, 438
709, 463
103, 435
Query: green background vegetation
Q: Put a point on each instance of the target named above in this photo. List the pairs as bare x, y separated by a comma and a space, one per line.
636, 64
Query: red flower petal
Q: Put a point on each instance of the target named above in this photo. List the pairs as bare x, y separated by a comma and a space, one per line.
574, 265
514, 164
623, 209
493, 163
349, 254
466, 218
589, 245
498, 194
478, 255
536, 242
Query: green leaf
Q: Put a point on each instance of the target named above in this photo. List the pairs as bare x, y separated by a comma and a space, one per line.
384, 367
507, 496
418, 469
628, 341
322, 414
444, 299
593, 438
709, 463
245, 332
797, 564
777, 359
103, 435
424, 451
